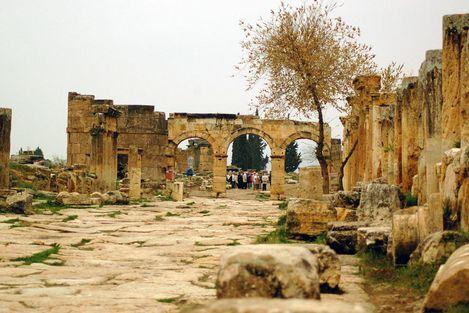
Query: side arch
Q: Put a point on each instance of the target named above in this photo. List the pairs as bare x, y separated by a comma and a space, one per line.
174, 142
298, 135
249, 130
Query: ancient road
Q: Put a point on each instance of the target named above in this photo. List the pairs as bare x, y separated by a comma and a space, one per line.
154, 257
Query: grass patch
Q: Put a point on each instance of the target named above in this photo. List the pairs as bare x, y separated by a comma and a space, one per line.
145, 205
410, 200
222, 206
70, 218
40, 256
459, 308
159, 218
43, 196
172, 214
320, 239
83, 242
18, 223
283, 205
204, 212
417, 278
262, 197
25, 185
166, 198
169, 300
279, 235
114, 214
190, 203
11, 221
49, 206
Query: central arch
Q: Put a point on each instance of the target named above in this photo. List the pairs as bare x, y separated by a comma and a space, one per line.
246, 131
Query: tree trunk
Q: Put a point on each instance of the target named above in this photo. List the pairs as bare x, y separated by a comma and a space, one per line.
319, 150
344, 163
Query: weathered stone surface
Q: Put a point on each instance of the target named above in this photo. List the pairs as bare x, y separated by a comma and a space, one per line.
405, 237
346, 215
75, 198
373, 238
463, 203
259, 305
377, 203
438, 246
342, 236
20, 203
308, 217
271, 271
346, 199
328, 265
177, 191
450, 285
116, 197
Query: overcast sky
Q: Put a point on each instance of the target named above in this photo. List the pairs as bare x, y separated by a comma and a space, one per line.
177, 55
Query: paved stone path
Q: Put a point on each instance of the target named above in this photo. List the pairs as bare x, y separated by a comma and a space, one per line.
155, 257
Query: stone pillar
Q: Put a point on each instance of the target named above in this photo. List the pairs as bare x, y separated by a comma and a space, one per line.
455, 71
104, 147
277, 191
219, 176
134, 169
5, 130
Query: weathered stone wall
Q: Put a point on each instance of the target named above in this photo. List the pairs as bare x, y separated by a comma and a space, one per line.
5, 131
136, 125
417, 138
141, 126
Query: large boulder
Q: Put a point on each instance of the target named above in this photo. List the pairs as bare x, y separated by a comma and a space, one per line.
20, 203
328, 265
269, 271
308, 218
450, 286
346, 199
259, 305
342, 236
405, 235
374, 238
438, 246
377, 203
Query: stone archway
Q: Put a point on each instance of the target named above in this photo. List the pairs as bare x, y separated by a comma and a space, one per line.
221, 129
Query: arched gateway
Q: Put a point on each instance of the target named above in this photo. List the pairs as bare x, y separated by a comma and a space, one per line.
221, 129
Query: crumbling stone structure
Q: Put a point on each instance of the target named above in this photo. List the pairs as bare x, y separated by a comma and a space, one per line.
5, 130
417, 137
220, 130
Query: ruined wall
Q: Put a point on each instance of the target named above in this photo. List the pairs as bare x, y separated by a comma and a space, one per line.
420, 140
141, 126
5, 131
136, 125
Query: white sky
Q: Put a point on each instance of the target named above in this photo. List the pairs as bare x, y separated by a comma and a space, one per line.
177, 55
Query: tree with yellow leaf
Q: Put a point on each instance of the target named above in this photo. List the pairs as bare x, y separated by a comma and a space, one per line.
304, 60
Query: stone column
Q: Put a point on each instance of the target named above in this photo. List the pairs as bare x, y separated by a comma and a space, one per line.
134, 169
219, 176
455, 71
277, 191
5, 130
104, 147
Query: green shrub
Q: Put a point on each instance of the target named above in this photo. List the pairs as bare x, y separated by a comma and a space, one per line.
283, 205
279, 235
40, 256
410, 200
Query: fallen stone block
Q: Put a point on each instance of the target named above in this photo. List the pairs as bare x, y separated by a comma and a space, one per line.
116, 197
73, 198
269, 271
374, 238
342, 236
438, 246
328, 265
308, 218
346, 199
260, 305
450, 286
405, 235
20, 203
377, 203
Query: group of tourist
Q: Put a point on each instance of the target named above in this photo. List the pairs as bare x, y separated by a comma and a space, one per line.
248, 180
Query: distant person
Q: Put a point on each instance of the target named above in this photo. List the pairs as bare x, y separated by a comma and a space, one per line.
249, 180
189, 172
245, 180
265, 181
240, 180
234, 177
